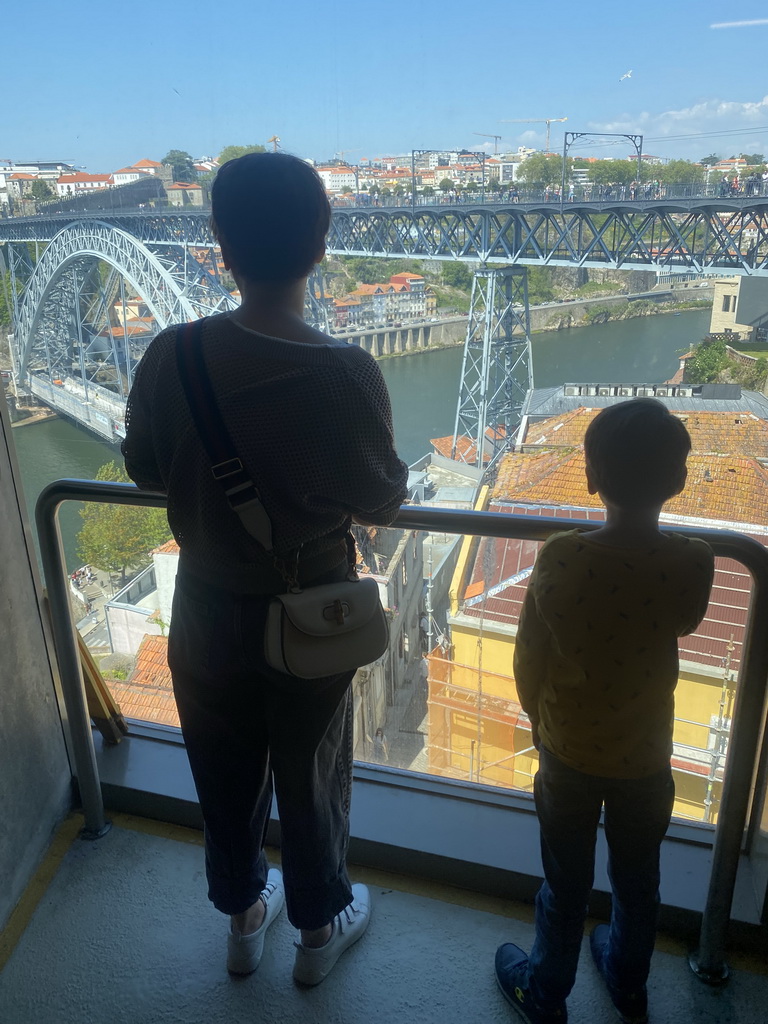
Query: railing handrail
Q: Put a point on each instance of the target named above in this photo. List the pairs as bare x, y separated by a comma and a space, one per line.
747, 718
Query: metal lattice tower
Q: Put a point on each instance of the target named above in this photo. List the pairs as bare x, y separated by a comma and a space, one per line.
497, 370
315, 304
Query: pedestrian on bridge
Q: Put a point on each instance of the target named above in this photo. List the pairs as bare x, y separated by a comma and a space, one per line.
310, 420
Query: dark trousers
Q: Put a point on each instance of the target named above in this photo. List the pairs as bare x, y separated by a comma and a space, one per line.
248, 728
637, 814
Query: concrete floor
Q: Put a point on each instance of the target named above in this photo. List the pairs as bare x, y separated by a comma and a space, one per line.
120, 931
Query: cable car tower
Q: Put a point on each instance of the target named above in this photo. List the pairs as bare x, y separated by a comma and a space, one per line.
497, 369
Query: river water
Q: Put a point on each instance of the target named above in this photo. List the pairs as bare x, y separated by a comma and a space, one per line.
424, 389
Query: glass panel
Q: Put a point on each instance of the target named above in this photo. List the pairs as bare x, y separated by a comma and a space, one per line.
451, 708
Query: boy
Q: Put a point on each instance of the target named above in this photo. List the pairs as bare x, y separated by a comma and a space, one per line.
596, 665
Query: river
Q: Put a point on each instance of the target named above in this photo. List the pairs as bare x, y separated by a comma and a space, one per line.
424, 389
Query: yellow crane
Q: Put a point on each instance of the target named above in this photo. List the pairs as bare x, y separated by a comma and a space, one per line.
537, 120
488, 135
275, 143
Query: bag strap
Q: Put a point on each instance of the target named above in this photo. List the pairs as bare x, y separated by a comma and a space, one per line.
227, 469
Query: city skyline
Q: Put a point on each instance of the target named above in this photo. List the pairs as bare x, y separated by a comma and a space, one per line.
334, 84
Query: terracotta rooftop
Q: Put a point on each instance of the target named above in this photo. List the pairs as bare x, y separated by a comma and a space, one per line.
169, 548
148, 694
466, 449
729, 488
82, 176
741, 433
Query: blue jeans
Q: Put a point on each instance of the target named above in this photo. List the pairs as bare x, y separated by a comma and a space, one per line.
247, 729
637, 814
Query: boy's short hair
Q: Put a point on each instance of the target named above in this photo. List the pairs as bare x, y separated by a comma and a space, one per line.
272, 211
636, 453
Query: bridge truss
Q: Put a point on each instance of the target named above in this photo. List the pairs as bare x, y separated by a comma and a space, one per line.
696, 236
65, 320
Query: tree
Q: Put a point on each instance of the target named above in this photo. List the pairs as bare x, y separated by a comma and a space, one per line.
119, 537
6, 307
681, 172
233, 152
707, 362
710, 161
181, 165
40, 191
446, 185
538, 169
614, 172
457, 275
753, 158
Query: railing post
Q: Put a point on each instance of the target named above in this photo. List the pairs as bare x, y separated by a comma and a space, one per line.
68, 656
708, 961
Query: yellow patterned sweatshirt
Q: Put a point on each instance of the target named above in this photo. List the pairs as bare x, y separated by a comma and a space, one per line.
596, 657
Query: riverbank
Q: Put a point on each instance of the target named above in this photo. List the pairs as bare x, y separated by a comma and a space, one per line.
562, 316
35, 417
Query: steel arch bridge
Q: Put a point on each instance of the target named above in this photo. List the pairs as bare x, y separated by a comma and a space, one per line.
71, 347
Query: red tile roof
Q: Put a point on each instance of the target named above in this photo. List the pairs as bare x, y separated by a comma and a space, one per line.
82, 176
169, 548
148, 694
741, 433
732, 489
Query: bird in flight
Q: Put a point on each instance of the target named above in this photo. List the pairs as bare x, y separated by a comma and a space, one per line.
627, 75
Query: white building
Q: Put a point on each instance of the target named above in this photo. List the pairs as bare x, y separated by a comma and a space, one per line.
77, 184
337, 179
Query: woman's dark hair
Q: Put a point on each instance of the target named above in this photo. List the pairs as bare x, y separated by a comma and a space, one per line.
272, 212
636, 452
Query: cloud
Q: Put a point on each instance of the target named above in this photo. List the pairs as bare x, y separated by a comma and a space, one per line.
737, 119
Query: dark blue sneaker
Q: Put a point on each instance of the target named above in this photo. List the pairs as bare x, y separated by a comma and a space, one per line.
512, 976
631, 1006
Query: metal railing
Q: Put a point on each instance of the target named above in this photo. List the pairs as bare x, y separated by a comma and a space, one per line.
708, 962
493, 194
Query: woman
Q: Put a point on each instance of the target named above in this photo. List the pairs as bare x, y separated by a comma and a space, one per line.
310, 419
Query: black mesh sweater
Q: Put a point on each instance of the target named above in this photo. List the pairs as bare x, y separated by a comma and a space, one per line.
311, 422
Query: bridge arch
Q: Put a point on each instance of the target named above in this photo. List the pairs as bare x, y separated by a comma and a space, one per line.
170, 298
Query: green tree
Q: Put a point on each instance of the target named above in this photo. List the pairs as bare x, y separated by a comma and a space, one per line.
708, 361
538, 169
40, 191
119, 537
681, 172
615, 172
457, 275
710, 161
233, 152
181, 165
6, 309
753, 158
446, 185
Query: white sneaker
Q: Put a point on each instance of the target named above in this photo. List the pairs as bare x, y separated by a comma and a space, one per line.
314, 965
244, 951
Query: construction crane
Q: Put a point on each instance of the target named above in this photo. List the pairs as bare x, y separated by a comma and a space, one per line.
537, 120
275, 143
488, 135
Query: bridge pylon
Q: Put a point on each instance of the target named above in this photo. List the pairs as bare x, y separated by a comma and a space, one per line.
497, 368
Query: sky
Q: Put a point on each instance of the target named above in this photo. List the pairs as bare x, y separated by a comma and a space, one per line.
102, 85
